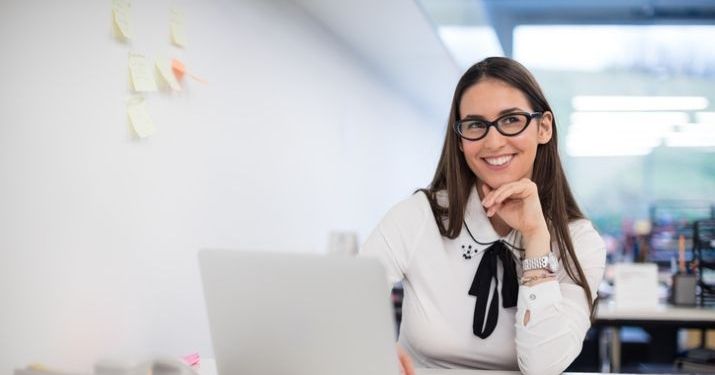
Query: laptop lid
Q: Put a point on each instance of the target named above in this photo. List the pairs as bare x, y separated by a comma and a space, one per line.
302, 314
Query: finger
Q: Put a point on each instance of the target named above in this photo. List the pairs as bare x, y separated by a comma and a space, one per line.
491, 199
517, 190
406, 365
488, 191
494, 209
513, 192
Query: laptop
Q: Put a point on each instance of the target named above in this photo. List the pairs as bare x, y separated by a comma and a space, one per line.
298, 314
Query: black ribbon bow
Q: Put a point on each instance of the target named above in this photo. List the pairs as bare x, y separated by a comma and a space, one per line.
485, 277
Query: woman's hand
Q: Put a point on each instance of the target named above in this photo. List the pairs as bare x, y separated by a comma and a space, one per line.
517, 204
406, 367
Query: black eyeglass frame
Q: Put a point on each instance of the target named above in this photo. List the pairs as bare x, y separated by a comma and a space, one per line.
529, 117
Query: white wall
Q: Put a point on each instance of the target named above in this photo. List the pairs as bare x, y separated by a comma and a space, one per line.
99, 231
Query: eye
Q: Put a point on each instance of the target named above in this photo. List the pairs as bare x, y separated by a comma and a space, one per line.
511, 119
476, 125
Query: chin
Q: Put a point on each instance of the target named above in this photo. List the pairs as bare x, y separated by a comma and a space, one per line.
496, 183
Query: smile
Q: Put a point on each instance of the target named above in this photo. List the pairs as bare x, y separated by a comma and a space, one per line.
500, 160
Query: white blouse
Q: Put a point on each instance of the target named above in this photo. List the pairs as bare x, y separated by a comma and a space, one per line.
437, 311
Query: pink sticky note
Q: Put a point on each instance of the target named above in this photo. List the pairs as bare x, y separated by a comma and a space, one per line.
178, 68
192, 359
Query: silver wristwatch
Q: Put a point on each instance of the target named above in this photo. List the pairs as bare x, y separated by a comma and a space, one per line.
547, 262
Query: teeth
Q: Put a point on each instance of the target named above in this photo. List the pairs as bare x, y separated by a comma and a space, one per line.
500, 160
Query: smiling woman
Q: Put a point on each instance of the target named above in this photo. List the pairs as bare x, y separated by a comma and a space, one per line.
497, 223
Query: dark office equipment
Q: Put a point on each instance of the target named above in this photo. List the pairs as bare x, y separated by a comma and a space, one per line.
704, 257
702, 359
669, 220
684, 289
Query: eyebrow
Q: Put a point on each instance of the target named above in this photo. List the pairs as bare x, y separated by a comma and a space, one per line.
502, 112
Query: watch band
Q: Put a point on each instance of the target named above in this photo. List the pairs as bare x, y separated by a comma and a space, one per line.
547, 262
529, 264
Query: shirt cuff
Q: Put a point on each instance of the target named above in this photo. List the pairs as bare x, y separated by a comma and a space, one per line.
539, 296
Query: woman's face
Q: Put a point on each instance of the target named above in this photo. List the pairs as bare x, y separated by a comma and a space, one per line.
497, 159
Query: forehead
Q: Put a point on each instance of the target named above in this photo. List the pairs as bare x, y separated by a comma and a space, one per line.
490, 96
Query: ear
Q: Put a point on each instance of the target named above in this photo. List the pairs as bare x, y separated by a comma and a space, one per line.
545, 127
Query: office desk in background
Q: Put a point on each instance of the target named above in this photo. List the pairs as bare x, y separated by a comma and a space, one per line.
610, 319
486, 372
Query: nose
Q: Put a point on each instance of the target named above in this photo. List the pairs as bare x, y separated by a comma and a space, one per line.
493, 140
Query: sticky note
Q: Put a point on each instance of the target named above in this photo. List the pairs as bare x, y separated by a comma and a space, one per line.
139, 117
142, 77
178, 68
121, 17
180, 71
193, 359
178, 33
167, 73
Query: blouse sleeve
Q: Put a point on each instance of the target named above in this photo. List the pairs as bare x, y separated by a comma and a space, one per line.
394, 239
559, 312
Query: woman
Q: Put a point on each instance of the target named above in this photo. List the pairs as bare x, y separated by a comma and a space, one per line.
499, 266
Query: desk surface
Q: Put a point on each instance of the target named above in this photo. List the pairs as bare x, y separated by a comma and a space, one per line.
608, 312
208, 367
483, 372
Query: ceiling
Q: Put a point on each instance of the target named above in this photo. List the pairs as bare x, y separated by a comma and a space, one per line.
504, 15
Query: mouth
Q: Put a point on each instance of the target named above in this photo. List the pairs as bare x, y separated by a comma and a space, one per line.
498, 161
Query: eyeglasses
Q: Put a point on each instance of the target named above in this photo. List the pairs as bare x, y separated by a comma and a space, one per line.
509, 125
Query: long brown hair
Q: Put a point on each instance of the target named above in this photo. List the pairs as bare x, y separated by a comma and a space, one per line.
454, 176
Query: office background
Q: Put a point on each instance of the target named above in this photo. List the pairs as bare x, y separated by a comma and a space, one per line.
317, 116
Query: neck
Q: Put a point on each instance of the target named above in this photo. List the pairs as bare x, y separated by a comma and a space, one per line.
499, 226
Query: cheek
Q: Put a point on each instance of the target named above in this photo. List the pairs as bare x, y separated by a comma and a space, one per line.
469, 152
469, 148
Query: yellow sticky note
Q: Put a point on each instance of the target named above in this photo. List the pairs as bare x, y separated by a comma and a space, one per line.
178, 33
141, 74
139, 117
164, 67
122, 17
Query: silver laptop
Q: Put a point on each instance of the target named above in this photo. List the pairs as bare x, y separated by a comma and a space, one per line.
301, 314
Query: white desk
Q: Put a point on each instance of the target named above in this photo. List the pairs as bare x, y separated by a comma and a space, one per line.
607, 312
463, 372
612, 318
208, 367
483, 372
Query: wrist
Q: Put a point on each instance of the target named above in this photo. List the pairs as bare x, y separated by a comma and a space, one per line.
537, 243
537, 231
